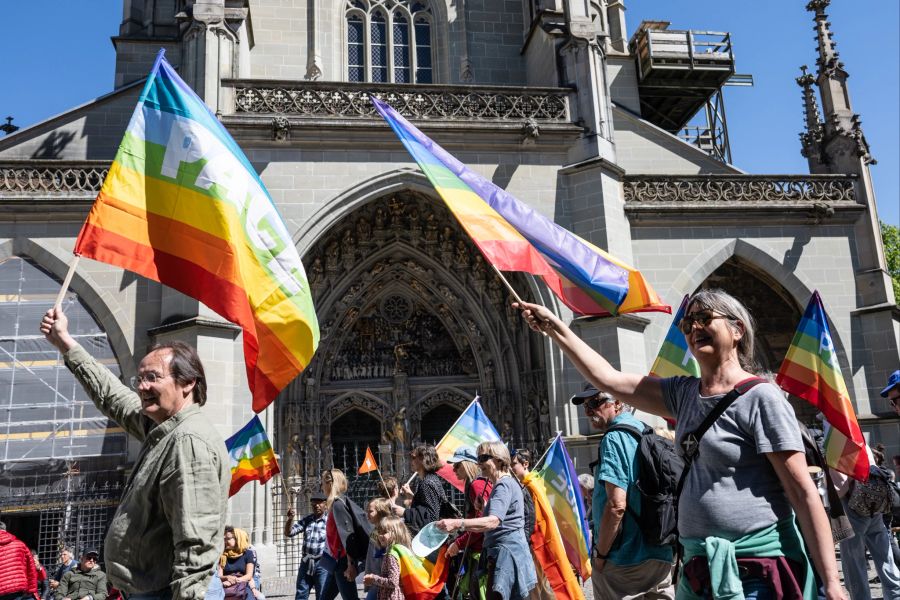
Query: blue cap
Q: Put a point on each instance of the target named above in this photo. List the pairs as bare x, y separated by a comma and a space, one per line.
893, 381
463, 453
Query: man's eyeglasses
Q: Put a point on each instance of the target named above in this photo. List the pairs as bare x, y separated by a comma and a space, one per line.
150, 377
483, 458
597, 401
686, 325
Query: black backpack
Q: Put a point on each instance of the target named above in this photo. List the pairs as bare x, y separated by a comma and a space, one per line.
659, 469
357, 544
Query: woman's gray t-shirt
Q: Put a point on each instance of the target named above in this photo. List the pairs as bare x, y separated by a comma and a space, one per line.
507, 504
732, 488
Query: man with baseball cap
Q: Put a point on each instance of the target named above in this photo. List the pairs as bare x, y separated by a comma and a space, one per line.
623, 564
310, 574
892, 391
84, 582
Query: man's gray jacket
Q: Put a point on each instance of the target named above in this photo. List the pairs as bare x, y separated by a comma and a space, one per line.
168, 529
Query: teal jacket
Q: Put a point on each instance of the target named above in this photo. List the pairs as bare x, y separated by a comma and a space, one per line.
779, 539
168, 529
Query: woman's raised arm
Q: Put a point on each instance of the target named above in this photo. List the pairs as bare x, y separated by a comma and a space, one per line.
641, 391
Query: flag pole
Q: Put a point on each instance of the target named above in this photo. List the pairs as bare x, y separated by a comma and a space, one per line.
510, 288
504, 280
66, 282
544, 455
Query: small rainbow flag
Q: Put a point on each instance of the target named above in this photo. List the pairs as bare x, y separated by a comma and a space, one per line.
470, 429
419, 579
252, 458
183, 206
811, 371
514, 237
557, 476
674, 356
547, 544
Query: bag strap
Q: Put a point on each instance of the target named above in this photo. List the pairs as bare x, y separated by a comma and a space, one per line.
690, 444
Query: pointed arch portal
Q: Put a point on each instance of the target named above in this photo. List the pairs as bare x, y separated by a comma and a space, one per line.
414, 324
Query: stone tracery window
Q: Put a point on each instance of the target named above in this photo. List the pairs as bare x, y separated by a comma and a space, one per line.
389, 41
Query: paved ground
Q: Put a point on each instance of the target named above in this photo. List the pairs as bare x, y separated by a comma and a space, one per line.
283, 587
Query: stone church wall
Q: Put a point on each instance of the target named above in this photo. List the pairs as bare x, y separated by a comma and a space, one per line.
646, 149
280, 36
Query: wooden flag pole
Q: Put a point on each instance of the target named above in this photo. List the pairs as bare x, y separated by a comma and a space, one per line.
504, 280
512, 290
66, 282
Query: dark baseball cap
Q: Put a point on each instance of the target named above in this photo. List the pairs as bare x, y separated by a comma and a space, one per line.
318, 497
91, 553
893, 381
589, 392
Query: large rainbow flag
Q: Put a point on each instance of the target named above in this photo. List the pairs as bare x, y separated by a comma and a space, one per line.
470, 429
674, 356
514, 237
811, 371
419, 579
547, 544
557, 476
252, 458
182, 205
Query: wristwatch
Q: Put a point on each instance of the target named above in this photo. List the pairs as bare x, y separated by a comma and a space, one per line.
462, 524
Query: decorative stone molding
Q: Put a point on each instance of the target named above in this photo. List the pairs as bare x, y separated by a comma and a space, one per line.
351, 100
52, 177
731, 191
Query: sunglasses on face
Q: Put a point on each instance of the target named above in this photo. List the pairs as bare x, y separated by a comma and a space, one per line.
596, 402
686, 325
483, 458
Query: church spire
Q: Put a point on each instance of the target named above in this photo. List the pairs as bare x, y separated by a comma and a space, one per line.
843, 140
811, 138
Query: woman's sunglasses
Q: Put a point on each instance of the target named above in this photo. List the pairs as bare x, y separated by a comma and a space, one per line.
686, 324
483, 458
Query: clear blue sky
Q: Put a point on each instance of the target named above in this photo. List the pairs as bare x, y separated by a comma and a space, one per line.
58, 54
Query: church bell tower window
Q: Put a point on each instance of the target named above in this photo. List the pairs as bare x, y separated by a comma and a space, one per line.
389, 41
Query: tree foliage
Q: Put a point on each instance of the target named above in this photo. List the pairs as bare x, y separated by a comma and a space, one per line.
890, 235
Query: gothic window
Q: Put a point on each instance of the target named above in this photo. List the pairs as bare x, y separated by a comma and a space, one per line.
389, 41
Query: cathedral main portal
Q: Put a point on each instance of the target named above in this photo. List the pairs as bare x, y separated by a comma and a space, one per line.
414, 325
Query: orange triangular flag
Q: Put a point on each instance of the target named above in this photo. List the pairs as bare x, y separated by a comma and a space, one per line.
369, 462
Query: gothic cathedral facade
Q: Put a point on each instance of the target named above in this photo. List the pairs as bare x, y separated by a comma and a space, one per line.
557, 101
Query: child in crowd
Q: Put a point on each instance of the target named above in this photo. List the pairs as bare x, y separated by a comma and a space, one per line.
389, 488
376, 510
390, 531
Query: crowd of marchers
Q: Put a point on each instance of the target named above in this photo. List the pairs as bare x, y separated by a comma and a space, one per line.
757, 516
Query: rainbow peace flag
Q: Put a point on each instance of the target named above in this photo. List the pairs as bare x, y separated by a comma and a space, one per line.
547, 544
183, 206
674, 356
514, 237
560, 482
811, 371
419, 579
251, 455
470, 429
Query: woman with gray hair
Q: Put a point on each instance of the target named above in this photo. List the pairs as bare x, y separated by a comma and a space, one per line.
510, 568
748, 480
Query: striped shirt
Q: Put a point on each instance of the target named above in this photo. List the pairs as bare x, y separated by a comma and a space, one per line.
313, 529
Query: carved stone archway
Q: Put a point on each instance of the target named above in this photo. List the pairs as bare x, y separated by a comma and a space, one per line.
412, 318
